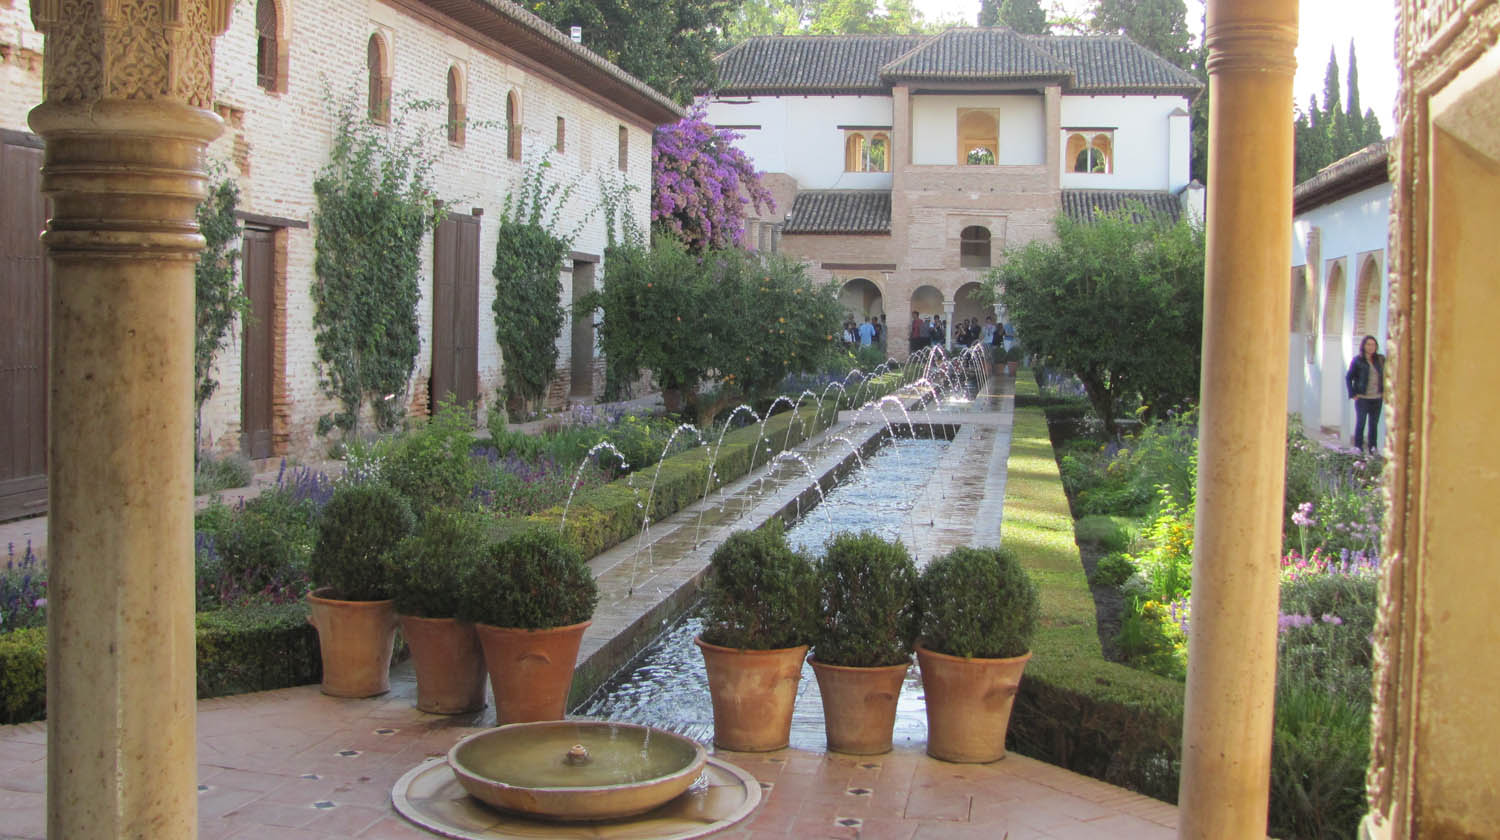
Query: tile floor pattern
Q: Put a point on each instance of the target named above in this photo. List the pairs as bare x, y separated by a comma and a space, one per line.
296, 765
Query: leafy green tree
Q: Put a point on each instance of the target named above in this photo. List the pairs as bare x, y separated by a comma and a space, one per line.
219, 297
1021, 15
1117, 301
740, 320
669, 44
1158, 25
1353, 118
1330, 131
825, 17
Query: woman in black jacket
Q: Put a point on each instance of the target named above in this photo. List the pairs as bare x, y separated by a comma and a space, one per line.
1366, 383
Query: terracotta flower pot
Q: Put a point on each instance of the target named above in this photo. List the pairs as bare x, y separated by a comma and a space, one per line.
753, 693
449, 664
355, 638
968, 704
859, 705
531, 671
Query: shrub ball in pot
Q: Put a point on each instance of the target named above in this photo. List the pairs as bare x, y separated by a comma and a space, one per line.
863, 643
531, 597
350, 602
760, 608
427, 573
979, 611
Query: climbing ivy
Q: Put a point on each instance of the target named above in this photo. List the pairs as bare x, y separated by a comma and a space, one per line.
219, 296
374, 205
528, 261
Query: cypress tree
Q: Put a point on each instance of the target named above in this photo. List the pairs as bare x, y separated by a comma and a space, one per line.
1353, 116
1024, 16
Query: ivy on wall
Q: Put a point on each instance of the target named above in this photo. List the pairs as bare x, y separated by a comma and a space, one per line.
374, 205
218, 294
528, 301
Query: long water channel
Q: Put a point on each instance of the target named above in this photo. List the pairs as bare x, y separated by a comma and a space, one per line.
666, 686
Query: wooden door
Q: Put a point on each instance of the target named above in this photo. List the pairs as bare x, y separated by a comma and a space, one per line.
23, 329
581, 365
257, 360
455, 311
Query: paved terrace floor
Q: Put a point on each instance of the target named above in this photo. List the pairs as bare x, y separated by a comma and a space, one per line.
296, 764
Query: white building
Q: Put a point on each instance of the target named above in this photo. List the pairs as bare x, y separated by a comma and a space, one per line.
1340, 229
903, 166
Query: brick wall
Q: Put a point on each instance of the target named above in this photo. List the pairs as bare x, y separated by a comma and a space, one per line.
275, 143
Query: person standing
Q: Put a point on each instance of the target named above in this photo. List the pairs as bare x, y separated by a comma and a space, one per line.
867, 333
918, 333
1366, 383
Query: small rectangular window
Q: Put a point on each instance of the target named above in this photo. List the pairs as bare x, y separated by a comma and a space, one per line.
624, 150
562, 134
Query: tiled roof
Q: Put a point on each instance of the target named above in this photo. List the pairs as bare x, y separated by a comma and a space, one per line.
1080, 205
840, 211
1365, 168
769, 64
774, 64
1114, 63
997, 53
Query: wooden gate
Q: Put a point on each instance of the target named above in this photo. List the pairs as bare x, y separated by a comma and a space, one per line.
455, 311
257, 360
23, 328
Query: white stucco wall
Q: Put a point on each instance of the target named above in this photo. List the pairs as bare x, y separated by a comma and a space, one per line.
1151, 146
1352, 231
935, 128
801, 135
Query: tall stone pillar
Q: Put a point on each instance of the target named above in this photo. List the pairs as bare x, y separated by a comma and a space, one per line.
1232, 665
125, 117
947, 324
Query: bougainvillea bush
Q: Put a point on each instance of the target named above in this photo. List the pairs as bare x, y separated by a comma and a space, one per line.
702, 184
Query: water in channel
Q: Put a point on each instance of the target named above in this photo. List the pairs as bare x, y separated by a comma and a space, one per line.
667, 686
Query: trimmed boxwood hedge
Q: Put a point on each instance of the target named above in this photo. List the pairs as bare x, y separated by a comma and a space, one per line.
603, 517
1075, 709
241, 649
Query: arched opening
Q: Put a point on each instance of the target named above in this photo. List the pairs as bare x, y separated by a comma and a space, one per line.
1090, 152
861, 300
974, 247
1367, 300
978, 136
457, 107
270, 51
377, 63
1335, 354
880, 153
513, 126
854, 153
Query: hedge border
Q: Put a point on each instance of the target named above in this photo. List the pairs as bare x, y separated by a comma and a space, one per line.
603, 517
1075, 709
239, 650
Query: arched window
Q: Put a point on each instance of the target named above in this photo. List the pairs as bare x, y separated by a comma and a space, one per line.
457, 106
978, 136
1367, 299
879, 157
854, 153
513, 126
1333, 301
378, 62
624, 150
562, 135
1090, 152
270, 51
974, 247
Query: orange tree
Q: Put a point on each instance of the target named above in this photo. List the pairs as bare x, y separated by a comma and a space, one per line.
728, 318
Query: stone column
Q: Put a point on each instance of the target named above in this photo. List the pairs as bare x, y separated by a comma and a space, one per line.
125, 117
1232, 666
947, 324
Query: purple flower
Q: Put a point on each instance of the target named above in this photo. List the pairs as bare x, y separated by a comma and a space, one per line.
1303, 517
1330, 618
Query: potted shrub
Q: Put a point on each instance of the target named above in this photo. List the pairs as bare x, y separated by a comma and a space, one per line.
760, 608
863, 645
350, 604
427, 574
978, 613
531, 596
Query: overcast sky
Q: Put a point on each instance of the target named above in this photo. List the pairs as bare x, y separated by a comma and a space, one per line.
1370, 24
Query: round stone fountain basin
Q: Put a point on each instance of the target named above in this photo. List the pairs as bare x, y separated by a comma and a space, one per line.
576, 770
